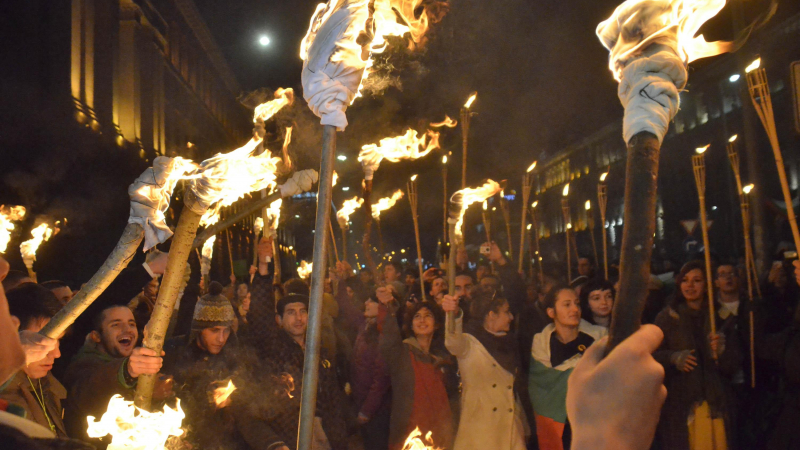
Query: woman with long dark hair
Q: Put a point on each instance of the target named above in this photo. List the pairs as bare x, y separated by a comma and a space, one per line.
492, 415
696, 414
419, 368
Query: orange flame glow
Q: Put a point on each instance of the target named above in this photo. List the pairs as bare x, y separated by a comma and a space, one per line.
287, 381
283, 97
636, 24
274, 214
348, 207
304, 269
447, 122
394, 149
414, 441
225, 178
208, 253
9, 214
467, 196
134, 428
222, 394
471, 99
385, 203
28, 248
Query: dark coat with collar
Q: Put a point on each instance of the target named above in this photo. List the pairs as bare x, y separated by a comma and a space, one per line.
20, 392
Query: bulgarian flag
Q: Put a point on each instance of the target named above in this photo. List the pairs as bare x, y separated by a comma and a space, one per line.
547, 385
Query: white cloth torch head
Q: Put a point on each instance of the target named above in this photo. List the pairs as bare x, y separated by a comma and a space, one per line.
301, 181
332, 59
150, 195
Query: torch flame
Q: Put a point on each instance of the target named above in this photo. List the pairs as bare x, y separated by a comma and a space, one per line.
565, 191
134, 428
385, 203
528, 227
447, 122
9, 214
287, 380
274, 214
283, 97
701, 150
636, 24
588, 205
28, 248
747, 189
394, 149
603, 177
348, 207
444, 159
753, 66
258, 225
222, 394
305, 269
467, 196
415, 441
532, 166
733, 138
535, 204
485, 205
335, 179
208, 253
470, 100
224, 178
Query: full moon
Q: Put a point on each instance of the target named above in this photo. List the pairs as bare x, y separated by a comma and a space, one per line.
263, 40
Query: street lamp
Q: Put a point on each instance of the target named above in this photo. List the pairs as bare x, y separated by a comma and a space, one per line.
263, 40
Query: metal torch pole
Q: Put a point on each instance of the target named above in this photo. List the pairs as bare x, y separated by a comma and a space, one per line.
308, 398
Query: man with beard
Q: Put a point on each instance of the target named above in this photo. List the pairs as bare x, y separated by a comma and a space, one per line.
109, 363
278, 338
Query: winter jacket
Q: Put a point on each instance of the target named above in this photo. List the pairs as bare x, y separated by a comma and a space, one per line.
491, 414
688, 329
92, 378
409, 365
21, 392
369, 374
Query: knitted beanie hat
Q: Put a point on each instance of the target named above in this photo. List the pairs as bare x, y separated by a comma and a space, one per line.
212, 309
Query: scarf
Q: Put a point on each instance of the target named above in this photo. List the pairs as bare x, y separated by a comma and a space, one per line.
502, 348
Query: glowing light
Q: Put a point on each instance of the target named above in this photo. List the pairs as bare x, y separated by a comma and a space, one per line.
569, 226
283, 97
532, 166
467, 196
263, 40
222, 394
528, 227
305, 269
753, 65
28, 248
733, 138
342, 158
414, 441
9, 214
447, 122
565, 191
603, 177
734, 78
274, 215
394, 149
471, 99
413, 177
385, 203
348, 207
747, 189
208, 253
345, 188
402, 250
588, 205
535, 204
701, 150
444, 159
134, 428
258, 225
485, 206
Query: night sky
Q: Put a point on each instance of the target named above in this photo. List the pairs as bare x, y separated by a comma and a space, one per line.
540, 72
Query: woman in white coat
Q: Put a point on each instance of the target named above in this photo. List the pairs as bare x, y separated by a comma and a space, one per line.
488, 359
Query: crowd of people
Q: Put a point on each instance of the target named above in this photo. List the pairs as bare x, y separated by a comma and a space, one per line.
522, 366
